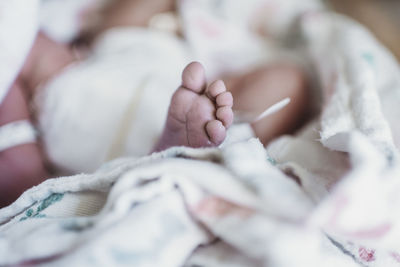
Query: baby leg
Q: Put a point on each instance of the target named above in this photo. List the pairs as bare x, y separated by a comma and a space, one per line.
255, 91
45, 60
22, 166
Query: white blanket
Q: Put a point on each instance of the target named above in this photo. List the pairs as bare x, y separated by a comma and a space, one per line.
18, 24
326, 197
159, 209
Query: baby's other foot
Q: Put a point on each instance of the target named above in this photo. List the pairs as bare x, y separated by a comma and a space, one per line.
199, 115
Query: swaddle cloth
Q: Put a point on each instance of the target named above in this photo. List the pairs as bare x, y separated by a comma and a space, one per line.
18, 24
325, 197
238, 36
62, 20
127, 82
112, 104
180, 207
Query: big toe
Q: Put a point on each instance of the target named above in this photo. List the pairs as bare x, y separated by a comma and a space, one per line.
193, 77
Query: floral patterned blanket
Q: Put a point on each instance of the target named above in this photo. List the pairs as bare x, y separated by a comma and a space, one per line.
325, 197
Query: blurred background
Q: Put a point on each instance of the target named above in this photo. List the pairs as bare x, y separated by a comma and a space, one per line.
382, 17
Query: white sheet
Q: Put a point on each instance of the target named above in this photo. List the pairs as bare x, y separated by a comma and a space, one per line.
18, 24
167, 209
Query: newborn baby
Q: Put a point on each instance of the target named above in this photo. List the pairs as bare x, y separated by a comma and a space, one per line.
198, 115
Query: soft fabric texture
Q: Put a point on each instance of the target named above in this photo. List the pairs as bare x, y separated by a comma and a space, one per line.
16, 133
159, 209
128, 79
112, 104
62, 20
18, 24
325, 197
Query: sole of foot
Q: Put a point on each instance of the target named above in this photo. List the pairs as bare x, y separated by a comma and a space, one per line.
199, 115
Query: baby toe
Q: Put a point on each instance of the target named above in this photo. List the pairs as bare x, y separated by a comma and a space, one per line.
225, 115
224, 99
216, 131
215, 89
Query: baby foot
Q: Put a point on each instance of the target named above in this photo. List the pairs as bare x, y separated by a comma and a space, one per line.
198, 115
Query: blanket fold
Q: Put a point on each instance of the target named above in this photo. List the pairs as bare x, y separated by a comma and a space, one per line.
327, 196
